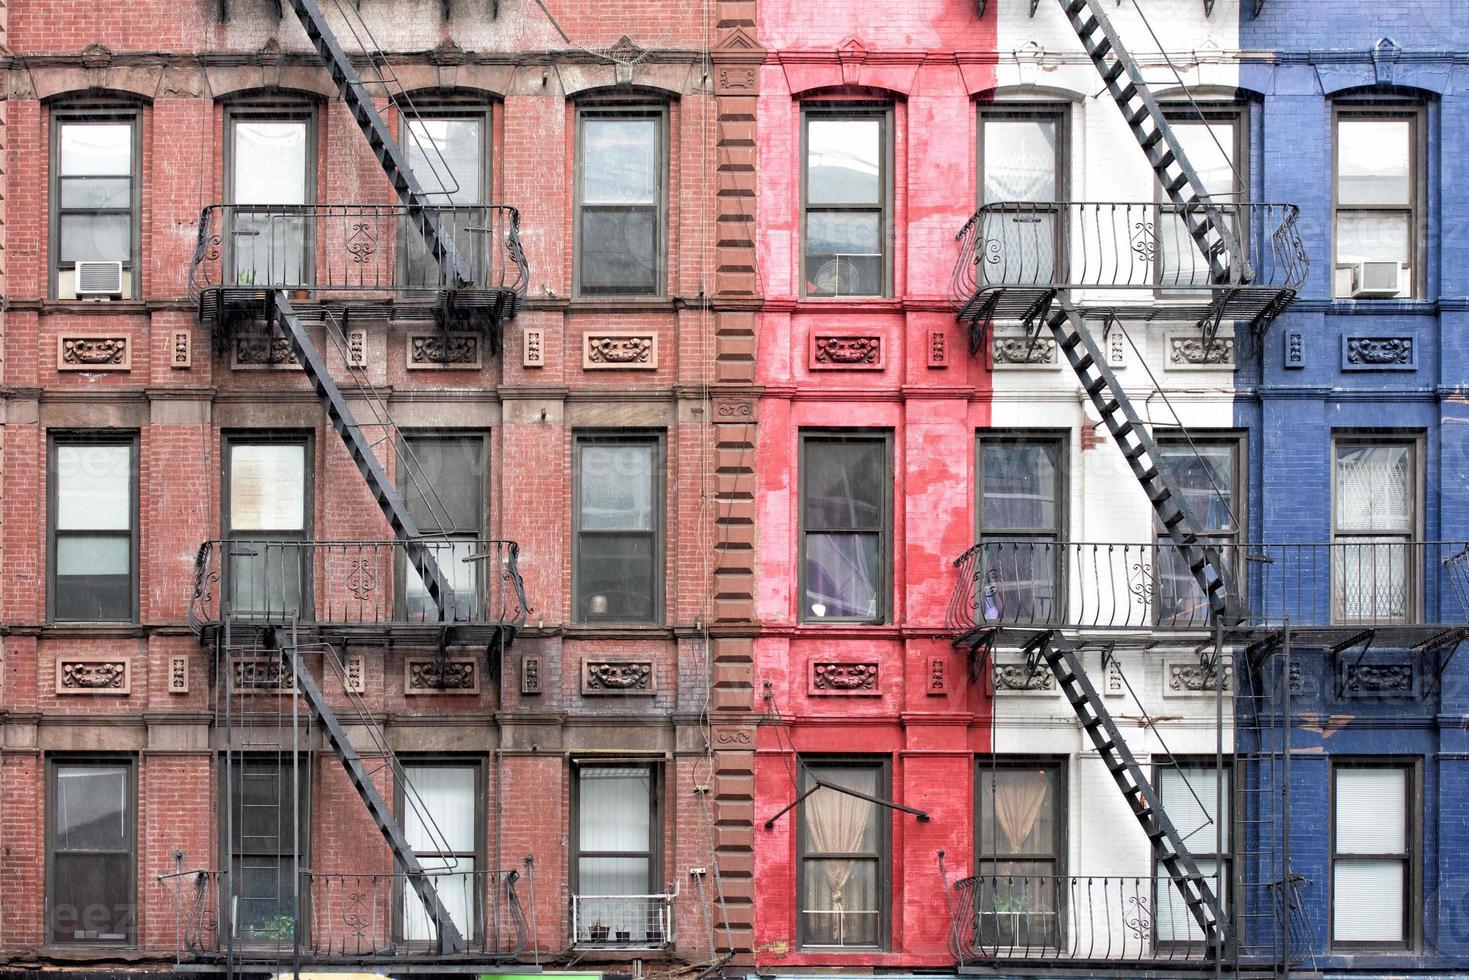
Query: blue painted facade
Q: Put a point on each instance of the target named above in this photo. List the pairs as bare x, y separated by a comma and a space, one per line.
1303, 58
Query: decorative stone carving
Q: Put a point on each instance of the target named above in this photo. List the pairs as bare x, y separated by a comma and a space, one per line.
181, 349
846, 352
1195, 678
938, 676
178, 674
1378, 680
94, 352
1112, 685
534, 355
1379, 354
260, 674
354, 674
736, 738
1295, 350
261, 351
843, 678
1190, 352
530, 675
1023, 677
619, 350
735, 80
93, 675
459, 351
434, 675
617, 677
1116, 348
1023, 352
357, 347
734, 409
1296, 678
938, 348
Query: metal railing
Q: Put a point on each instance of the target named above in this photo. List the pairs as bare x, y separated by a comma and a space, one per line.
347, 915
367, 582
622, 921
1121, 254
1372, 583
368, 249
1075, 918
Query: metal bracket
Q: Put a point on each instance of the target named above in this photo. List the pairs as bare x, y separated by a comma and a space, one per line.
823, 784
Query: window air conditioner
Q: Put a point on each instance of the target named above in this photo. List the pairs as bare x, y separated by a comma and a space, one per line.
1377, 279
99, 279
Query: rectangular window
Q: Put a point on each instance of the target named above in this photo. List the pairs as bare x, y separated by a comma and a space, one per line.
267, 513
618, 837
448, 152
92, 851
844, 874
846, 527
619, 529
1020, 853
269, 816
1022, 175
272, 180
621, 200
442, 481
1379, 193
94, 520
1208, 473
439, 811
1374, 522
847, 192
1191, 791
1212, 138
95, 195
1373, 887
1020, 516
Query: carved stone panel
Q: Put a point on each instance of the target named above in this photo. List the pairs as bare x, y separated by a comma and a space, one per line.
534, 355
1024, 678
1295, 349
94, 352
431, 675
531, 667
455, 351
181, 349
255, 352
354, 674
938, 348
93, 675
357, 347
619, 350
1188, 351
260, 674
1379, 353
1379, 680
178, 674
1020, 351
1186, 677
732, 409
828, 677
846, 352
938, 677
630, 677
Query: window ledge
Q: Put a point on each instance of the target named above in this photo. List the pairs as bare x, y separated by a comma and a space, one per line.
93, 630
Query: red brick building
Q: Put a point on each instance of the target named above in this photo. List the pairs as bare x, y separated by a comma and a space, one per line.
177, 501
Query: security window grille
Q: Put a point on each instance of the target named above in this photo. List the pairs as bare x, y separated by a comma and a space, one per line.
847, 193
617, 853
95, 193
1373, 888
1020, 853
442, 480
272, 176
1375, 519
1212, 139
1379, 186
846, 527
267, 513
448, 152
1020, 515
844, 874
1021, 153
439, 811
622, 200
269, 816
94, 513
619, 529
1208, 473
91, 857
1191, 791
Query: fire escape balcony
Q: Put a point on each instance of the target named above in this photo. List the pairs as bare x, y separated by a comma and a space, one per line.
371, 585
1413, 591
370, 258
1129, 260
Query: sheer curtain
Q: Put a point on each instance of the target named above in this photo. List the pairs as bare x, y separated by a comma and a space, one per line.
841, 899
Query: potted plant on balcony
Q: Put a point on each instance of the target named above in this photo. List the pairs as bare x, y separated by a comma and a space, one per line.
597, 932
1009, 912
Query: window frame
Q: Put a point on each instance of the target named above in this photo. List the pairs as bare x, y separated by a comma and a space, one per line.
883, 765
658, 440
94, 112
94, 437
54, 762
1415, 443
480, 855
1060, 441
1233, 542
1059, 114
1225, 863
884, 530
1412, 857
479, 533
436, 109
632, 108
1237, 114
231, 768
306, 438
304, 112
656, 767
883, 113
1417, 209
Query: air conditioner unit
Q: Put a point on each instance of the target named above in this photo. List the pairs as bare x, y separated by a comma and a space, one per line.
1377, 279
99, 279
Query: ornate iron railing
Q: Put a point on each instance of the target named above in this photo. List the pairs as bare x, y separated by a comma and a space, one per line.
1072, 918
345, 249
622, 921
1132, 259
348, 916
1373, 583
368, 582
